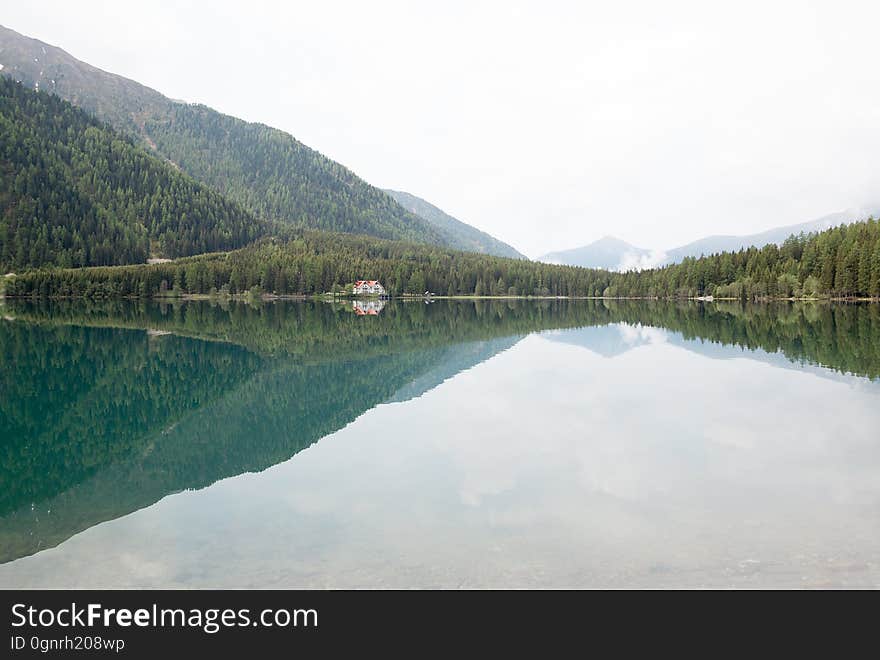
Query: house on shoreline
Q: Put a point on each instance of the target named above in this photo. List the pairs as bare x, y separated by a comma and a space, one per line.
368, 288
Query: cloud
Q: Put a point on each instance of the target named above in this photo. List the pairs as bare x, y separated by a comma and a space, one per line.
641, 334
637, 261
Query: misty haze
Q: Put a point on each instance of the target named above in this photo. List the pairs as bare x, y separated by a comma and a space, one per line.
478, 295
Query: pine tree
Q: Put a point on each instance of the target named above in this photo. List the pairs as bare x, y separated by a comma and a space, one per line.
874, 286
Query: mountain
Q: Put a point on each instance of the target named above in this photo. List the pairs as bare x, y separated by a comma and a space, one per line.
715, 244
614, 254
461, 235
609, 253
265, 170
74, 192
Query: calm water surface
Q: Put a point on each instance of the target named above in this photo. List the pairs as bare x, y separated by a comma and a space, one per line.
516, 444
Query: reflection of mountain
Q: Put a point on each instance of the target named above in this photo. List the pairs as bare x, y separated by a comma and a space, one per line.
97, 421
842, 338
456, 360
716, 351
607, 340
612, 341
126, 417
76, 400
263, 421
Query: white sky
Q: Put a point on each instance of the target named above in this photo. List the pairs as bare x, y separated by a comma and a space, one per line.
546, 124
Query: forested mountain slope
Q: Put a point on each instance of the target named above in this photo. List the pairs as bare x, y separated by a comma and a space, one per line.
462, 235
74, 192
266, 170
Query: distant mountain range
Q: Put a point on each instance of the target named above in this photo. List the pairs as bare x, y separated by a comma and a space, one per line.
462, 236
266, 171
614, 254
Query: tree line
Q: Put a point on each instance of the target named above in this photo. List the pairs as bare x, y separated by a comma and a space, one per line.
841, 262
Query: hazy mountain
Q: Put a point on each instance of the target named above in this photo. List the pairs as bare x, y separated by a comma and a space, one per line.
614, 254
461, 236
266, 170
713, 244
608, 252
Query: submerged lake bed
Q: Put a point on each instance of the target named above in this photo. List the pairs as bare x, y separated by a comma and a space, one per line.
458, 444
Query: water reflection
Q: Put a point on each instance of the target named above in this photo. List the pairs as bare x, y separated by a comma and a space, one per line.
555, 458
368, 307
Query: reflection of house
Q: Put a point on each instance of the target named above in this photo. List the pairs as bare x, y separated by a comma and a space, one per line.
368, 307
362, 287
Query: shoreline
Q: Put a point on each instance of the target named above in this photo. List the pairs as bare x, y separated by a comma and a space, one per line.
272, 297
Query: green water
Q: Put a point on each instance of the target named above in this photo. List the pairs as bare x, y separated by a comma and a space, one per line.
455, 444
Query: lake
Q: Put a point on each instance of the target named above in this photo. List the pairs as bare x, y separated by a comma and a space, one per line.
457, 444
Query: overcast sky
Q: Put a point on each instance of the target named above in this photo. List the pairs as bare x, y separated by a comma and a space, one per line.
546, 124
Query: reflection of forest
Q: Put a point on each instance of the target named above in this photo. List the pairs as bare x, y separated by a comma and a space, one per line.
123, 417
838, 336
98, 420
